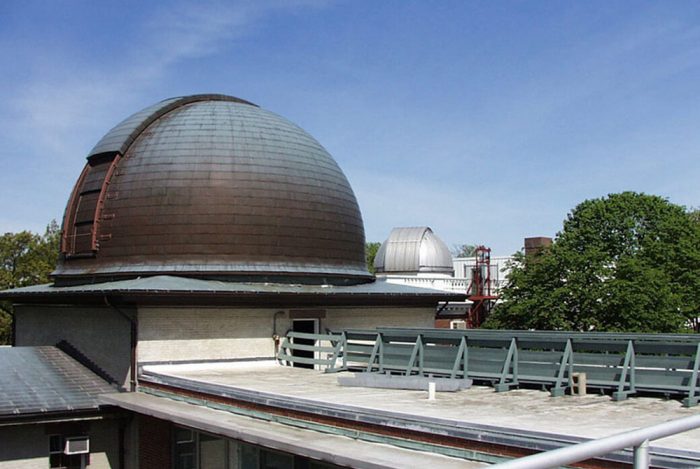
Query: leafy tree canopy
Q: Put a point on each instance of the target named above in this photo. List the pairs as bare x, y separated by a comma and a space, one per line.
26, 258
371, 249
463, 250
625, 262
694, 214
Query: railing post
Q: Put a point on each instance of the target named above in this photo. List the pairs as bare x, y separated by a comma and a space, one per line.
510, 367
461, 360
421, 354
465, 375
628, 368
641, 455
416, 354
380, 337
344, 347
692, 398
565, 368
375, 354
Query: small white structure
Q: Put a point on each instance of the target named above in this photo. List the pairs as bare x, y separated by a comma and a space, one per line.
499, 270
416, 256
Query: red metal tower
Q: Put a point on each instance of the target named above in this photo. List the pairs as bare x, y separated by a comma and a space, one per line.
479, 289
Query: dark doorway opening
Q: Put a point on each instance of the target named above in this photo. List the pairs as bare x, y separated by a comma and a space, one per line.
306, 326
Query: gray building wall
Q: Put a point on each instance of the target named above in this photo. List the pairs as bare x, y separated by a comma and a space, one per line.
182, 334
27, 446
189, 333
100, 333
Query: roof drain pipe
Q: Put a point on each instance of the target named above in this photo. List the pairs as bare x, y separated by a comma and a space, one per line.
133, 340
275, 335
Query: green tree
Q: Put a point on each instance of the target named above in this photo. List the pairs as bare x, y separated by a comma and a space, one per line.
625, 262
26, 258
463, 250
371, 249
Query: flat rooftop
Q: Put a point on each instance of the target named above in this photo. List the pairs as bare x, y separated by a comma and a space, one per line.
521, 413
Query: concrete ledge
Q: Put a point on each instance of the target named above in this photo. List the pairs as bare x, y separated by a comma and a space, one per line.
333, 449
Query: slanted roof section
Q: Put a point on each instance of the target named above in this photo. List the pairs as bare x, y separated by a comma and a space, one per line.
42, 380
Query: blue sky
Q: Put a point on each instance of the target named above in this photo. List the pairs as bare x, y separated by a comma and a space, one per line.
487, 121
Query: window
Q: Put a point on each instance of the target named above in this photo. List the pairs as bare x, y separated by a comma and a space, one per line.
185, 449
195, 450
212, 452
69, 452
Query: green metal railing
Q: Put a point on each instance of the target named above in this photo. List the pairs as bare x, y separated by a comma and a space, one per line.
327, 350
625, 364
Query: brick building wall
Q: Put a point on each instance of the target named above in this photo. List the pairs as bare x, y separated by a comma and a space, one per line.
155, 443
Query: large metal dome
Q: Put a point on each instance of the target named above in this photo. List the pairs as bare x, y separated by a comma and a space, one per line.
212, 186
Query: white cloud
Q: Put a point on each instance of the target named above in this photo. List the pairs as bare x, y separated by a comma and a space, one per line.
68, 101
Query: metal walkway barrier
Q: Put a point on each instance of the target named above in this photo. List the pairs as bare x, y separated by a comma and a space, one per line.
325, 348
637, 439
665, 364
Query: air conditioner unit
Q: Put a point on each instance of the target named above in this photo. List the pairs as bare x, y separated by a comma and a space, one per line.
458, 324
77, 445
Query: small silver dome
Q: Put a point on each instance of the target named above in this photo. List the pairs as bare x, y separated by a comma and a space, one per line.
413, 250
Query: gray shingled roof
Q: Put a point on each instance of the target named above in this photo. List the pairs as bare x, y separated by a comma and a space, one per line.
37, 380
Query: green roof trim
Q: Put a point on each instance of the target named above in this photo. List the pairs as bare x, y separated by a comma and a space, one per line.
167, 285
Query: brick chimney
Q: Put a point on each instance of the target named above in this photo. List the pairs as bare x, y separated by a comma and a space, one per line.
535, 245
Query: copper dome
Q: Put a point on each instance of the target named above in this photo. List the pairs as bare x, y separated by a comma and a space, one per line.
211, 186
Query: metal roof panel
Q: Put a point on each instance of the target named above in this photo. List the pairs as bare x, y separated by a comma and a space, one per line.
45, 379
413, 250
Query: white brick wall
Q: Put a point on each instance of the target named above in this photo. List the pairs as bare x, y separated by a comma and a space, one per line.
204, 333
182, 334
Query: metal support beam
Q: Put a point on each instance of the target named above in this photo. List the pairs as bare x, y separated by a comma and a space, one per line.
628, 370
416, 354
641, 455
565, 368
461, 360
376, 354
510, 367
